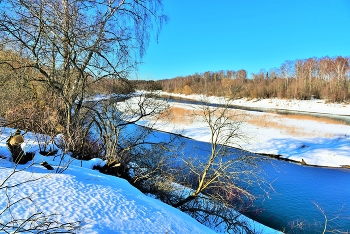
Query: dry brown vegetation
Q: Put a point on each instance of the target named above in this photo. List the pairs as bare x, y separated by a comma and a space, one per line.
314, 118
178, 115
185, 116
277, 122
266, 121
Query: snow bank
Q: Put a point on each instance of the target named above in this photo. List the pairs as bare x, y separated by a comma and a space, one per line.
102, 203
315, 105
318, 143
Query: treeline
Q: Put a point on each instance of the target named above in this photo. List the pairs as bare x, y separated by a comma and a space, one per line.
322, 78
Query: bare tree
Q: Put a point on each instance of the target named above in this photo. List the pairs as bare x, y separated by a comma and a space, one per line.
126, 146
213, 186
72, 44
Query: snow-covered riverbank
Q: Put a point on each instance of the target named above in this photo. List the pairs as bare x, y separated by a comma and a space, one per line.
92, 201
315, 105
312, 140
100, 203
73, 193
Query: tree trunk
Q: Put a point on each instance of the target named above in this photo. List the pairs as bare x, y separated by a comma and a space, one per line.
14, 145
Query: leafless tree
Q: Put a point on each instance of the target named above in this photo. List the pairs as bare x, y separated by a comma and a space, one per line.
127, 147
212, 187
324, 78
72, 44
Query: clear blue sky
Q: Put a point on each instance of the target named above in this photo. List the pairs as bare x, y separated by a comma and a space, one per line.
245, 34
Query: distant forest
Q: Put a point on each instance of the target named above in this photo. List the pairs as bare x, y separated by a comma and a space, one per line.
321, 78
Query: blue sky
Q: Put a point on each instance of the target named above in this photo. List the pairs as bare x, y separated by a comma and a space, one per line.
245, 34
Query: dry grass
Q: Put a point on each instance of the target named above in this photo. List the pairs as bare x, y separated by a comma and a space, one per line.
314, 118
178, 115
265, 121
277, 122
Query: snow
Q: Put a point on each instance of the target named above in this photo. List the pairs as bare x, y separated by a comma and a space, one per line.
99, 203
107, 204
103, 203
317, 143
314, 105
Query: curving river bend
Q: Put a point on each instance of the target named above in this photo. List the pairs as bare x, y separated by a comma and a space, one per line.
305, 198
291, 207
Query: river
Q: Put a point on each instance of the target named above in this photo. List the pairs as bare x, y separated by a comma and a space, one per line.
301, 192
297, 191
305, 197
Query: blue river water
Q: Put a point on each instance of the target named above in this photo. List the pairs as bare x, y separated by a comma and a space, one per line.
303, 195
305, 198
291, 206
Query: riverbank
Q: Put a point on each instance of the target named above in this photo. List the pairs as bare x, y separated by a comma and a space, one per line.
306, 140
97, 202
79, 197
307, 106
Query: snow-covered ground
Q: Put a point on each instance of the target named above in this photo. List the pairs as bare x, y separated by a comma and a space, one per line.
106, 204
321, 143
103, 203
315, 105
100, 203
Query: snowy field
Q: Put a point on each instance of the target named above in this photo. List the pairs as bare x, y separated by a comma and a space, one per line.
317, 141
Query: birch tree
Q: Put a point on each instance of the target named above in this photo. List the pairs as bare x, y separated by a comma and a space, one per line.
72, 44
